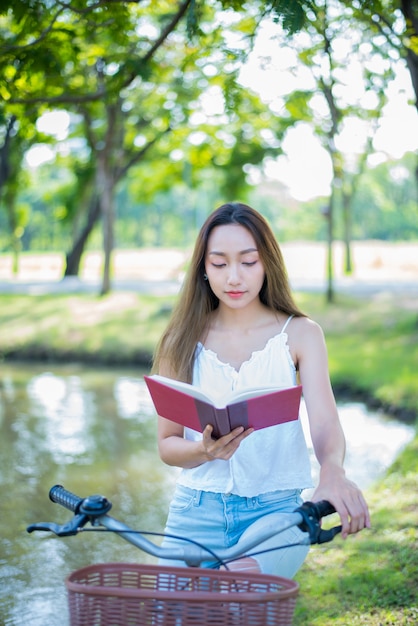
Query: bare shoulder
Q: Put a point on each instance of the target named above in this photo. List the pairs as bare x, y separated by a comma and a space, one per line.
304, 334
305, 326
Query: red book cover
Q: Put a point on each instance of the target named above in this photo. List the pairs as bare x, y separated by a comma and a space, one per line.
189, 406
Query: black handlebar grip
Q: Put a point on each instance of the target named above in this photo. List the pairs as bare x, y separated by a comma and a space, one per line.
312, 513
65, 498
323, 508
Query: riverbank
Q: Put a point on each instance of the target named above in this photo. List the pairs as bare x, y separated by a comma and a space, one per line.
372, 343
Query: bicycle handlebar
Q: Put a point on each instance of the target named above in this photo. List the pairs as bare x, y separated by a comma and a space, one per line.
94, 509
65, 498
312, 513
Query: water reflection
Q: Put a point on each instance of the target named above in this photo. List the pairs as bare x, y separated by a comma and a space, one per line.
373, 442
94, 431
63, 409
132, 399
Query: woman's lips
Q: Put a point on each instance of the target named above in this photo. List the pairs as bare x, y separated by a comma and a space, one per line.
235, 294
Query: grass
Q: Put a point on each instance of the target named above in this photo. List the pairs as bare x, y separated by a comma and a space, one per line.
373, 348
121, 328
369, 579
372, 344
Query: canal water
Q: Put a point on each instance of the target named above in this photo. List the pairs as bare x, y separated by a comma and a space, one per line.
93, 430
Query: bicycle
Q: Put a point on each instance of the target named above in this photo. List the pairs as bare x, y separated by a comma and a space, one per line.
130, 594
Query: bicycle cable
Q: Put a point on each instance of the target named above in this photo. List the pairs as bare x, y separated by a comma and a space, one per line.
218, 562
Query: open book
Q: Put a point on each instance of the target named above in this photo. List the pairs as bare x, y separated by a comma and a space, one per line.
191, 407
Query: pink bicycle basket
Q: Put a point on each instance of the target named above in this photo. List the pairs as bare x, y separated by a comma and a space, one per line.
125, 594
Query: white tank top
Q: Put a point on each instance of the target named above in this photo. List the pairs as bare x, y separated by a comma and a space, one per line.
270, 459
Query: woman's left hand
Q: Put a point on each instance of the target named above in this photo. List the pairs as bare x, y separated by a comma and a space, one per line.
346, 498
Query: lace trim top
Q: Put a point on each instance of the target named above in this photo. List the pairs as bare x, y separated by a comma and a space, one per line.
270, 459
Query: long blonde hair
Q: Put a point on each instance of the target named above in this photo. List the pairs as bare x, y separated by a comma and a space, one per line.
190, 318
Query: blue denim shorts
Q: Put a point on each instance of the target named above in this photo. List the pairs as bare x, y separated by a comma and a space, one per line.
219, 520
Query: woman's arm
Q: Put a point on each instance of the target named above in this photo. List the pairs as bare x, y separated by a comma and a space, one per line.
174, 449
325, 427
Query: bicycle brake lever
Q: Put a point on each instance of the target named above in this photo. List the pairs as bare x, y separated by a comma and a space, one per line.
328, 535
65, 530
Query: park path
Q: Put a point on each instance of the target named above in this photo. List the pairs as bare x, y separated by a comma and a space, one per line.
378, 267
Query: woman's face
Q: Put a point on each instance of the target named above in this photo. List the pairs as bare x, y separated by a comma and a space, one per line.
233, 266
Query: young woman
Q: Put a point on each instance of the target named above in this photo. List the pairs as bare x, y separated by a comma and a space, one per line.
235, 326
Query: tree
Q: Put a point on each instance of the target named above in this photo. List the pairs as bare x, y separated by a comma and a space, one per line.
98, 60
68, 55
55, 57
326, 55
397, 22
409, 9
381, 191
17, 134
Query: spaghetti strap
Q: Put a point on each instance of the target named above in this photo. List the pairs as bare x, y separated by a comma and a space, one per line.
287, 322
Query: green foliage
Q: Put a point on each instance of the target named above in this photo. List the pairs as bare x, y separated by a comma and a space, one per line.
102, 63
133, 85
290, 13
193, 18
385, 206
163, 202
371, 578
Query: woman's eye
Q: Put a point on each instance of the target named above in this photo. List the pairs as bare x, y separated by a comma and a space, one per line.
218, 264
249, 263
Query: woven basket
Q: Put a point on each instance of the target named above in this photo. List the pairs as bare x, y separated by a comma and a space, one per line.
124, 594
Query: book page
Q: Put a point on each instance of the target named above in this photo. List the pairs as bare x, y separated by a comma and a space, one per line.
191, 390
235, 396
245, 394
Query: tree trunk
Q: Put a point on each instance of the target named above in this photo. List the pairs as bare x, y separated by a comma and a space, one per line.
330, 241
105, 185
17, 247
5, 165
410, 11
346, 201
73, 257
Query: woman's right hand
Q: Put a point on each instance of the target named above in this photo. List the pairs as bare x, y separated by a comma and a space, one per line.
224, 447
175, 450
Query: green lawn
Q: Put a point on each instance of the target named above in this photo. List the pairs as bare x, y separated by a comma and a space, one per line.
371, 578
372, 344
119, 328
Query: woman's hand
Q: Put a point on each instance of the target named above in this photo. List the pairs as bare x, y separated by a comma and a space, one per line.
175, 450
346, 498
224, 447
